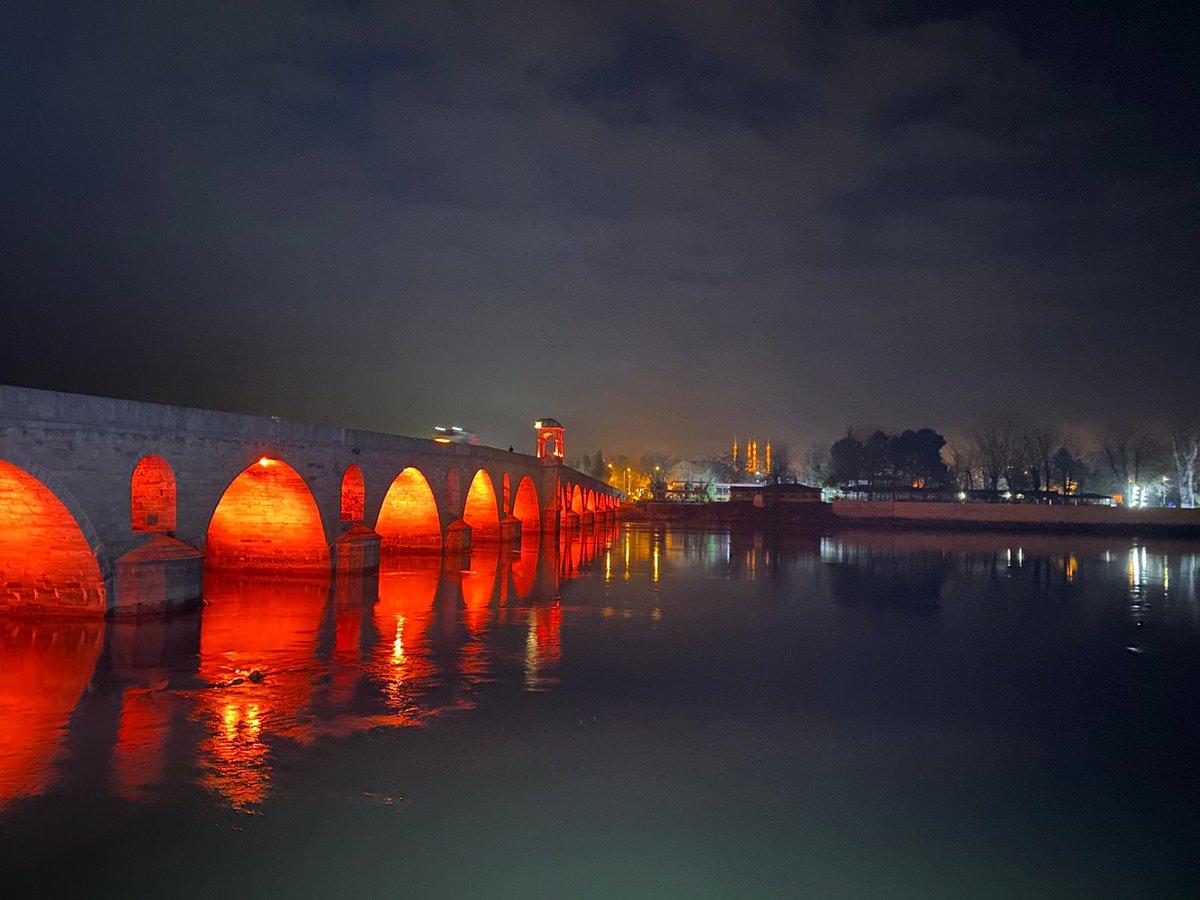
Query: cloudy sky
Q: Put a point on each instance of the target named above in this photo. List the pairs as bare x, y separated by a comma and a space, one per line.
662, 223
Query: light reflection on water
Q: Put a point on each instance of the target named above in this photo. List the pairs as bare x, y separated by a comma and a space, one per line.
280, 658
851, 627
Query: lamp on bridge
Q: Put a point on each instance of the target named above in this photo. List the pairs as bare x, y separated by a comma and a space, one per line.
549, 438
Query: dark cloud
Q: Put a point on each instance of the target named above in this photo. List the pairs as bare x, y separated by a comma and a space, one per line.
662, 223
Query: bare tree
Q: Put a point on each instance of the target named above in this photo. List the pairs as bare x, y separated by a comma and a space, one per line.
1040, 444
995, 447
1128, 449
963, 464
1185, 447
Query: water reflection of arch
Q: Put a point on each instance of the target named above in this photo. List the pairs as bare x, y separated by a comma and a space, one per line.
401, 661
525, 565
47, 666
479, 586
254, 622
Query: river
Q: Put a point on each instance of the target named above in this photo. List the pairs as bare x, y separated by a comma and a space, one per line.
639, 712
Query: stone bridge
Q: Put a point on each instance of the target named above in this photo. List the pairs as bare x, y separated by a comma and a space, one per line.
115, 506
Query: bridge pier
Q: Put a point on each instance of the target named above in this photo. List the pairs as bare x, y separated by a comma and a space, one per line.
161, 575
510, 530
356, 551
457, 538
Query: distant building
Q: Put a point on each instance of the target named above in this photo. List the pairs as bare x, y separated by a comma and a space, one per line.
764, 495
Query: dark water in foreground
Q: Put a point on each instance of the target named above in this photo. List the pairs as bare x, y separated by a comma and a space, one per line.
646, 712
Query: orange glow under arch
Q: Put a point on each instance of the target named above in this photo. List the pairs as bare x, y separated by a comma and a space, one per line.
526, 507
46, 564
152, 495
354, 495
268, 520
480, 510
408, 519
577, 500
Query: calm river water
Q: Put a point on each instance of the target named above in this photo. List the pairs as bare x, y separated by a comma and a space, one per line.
643, 712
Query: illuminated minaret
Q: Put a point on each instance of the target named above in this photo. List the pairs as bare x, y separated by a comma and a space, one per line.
768, 457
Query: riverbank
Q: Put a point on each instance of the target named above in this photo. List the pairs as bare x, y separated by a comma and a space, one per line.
898, 515
1017, 517
733, 512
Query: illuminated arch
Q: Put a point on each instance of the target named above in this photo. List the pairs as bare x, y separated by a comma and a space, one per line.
577, 500
591, 501
267, 520
354, 495
152, 495
526, 508
480, 509
408, 519
46, 563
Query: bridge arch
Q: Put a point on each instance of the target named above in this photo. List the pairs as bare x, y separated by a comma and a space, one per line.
152, 495
577, 499
526, 507
408, 518
267, 519
354, 494
46, 560
480, 511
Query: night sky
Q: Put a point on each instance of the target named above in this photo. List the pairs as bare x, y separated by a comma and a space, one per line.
662, 224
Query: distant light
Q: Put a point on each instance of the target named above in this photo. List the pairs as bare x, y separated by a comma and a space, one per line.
442, 440
537, 424
264, 462
1008, 495
962, 495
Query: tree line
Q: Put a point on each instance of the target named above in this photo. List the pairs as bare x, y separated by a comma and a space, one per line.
1005, 455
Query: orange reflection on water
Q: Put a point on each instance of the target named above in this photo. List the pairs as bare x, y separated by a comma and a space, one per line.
543, 644
400, 660
139, 755
44, 668
525, 566
478, 586
254, 623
